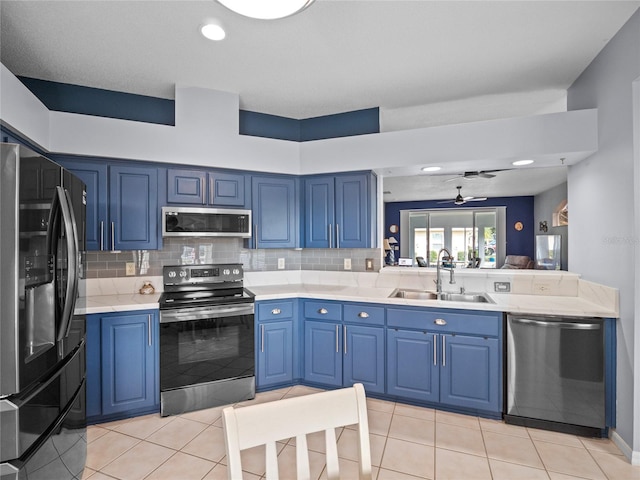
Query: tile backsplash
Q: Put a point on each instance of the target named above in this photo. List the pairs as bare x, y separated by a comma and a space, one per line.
177, 251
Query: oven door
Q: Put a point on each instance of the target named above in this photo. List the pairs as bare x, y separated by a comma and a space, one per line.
206, 344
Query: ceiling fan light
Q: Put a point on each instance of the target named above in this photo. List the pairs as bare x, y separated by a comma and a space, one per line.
520, 163
266, 9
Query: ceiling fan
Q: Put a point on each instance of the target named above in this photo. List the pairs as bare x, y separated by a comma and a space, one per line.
460, 200
475, 174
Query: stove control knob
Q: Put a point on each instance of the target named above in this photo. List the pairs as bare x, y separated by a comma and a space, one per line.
183, 273
236, 271
172, 273
226, 271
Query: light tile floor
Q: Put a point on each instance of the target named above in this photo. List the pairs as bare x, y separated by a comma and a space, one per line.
407, 443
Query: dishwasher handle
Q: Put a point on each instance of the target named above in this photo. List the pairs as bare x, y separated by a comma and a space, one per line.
566, 325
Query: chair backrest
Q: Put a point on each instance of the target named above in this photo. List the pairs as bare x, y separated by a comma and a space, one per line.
266, 423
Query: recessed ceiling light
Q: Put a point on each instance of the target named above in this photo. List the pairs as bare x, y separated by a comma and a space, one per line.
431, 169
266, 9
213, 31
519, 163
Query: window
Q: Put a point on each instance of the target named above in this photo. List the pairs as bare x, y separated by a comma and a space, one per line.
561, 215
471, 235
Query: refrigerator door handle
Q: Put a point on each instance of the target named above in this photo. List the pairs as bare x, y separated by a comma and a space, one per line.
71, 236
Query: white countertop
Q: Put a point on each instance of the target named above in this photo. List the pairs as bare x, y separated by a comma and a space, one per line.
504, 302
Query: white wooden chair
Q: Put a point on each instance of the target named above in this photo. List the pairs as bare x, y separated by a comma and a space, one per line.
265, 423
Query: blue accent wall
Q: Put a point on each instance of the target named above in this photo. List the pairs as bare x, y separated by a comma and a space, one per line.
63, 97
519, 209
358, 122
258, 124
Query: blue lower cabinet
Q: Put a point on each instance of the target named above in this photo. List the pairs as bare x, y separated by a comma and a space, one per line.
275, 353
122, 364
363, 359
469, 376
449, 369
323, 353
412, 370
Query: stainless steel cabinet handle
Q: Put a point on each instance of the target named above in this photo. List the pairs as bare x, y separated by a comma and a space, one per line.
440, 321
435, 349
255, 230
323, 311
275, 311
344, 339
330, 236
149, 328
444, 351
337, 236
337, 335
202, 189
113, 236
363, 315
101, 234
262, 338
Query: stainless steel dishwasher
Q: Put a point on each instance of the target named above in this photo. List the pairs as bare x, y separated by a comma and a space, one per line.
555, 375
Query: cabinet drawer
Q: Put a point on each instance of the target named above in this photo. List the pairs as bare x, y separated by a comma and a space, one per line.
323, 310
364, 313
275, 310
454, 321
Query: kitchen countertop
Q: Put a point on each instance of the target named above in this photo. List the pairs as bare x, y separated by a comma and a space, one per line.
504, 302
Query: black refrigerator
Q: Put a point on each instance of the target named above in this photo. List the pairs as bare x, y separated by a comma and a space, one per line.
42, 328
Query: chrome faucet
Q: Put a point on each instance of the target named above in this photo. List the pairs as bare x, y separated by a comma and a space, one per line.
438, 280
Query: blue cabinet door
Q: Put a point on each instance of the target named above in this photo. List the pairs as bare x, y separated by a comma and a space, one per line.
323, 353
411, 369
94, 176
470, 373
352, 212
129, 362
275, 353
186, 186
363, 360
319, 212
275, 212
226, 189
133, 207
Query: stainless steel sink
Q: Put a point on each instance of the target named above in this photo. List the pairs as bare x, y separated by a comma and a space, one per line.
465, 297
444, 296
413, 294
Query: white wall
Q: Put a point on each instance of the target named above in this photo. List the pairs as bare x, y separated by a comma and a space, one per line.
601, 199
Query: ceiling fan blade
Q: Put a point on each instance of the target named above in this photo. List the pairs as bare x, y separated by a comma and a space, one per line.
452, 179
476, 199
446, 201
486, 175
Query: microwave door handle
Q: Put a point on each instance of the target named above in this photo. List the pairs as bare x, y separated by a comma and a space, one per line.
71, 237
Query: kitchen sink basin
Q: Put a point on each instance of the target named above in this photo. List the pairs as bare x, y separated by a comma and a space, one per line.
444, 296
413, 294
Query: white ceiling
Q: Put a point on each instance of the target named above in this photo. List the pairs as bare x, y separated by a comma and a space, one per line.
335, 56
507, 183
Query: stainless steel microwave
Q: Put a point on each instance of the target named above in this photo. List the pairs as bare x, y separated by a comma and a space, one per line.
205, 222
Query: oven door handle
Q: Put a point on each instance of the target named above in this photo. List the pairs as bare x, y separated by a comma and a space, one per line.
201, 313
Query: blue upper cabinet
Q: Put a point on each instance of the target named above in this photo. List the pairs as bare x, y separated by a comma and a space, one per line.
186, 186
319, 202
274, 205
340, 211
133, 208
201, 187
226, 189
94, 176
122, 203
